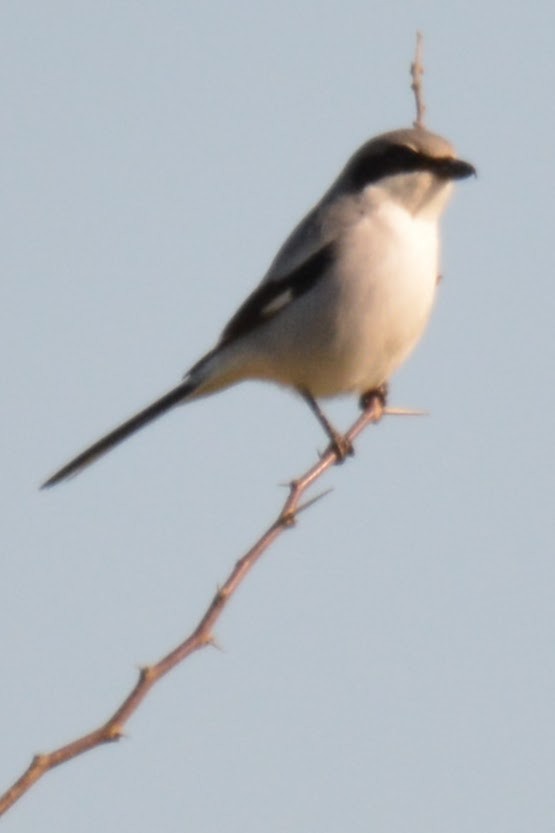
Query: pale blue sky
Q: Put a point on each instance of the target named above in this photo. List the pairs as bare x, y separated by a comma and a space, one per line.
390, 665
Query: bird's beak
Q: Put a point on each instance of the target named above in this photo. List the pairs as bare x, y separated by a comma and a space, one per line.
458, 169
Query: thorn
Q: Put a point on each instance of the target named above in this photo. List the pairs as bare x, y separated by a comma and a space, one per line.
313, 500
291, 484
145, 671
116, 733
288, 518
39, 761
221, 592
406, 412
213, 643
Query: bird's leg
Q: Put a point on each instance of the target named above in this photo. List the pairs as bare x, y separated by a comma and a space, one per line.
339, 442
377, 396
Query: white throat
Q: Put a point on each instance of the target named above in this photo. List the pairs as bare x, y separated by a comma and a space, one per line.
421, 193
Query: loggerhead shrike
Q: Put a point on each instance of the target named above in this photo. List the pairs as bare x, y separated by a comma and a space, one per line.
346, 298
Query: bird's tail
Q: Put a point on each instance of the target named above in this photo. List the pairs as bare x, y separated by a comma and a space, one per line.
156, 409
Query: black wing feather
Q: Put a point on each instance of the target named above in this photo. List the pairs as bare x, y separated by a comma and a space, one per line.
257, 308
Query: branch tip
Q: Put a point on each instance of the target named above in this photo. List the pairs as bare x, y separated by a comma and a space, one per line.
416, 72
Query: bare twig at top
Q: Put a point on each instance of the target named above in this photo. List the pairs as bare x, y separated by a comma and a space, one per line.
416, 72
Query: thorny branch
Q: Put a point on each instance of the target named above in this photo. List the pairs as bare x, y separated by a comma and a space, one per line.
203, 635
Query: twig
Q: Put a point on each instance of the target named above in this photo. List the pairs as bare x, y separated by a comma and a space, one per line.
202, 636
417, 71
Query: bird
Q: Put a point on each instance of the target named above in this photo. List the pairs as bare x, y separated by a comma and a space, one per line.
346, 298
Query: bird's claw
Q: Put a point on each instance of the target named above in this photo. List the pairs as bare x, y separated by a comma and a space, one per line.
341, 446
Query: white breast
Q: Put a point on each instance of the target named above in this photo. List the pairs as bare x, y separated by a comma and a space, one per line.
389, 268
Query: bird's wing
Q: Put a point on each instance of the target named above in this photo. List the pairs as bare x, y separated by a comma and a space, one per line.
301, 261
274, 294
304, 241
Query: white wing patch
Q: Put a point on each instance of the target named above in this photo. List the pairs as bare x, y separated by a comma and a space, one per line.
277, 303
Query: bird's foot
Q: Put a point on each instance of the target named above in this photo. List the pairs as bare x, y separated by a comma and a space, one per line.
376, 399
341, 446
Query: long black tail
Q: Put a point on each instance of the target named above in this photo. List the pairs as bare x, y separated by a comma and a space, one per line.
102, 446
